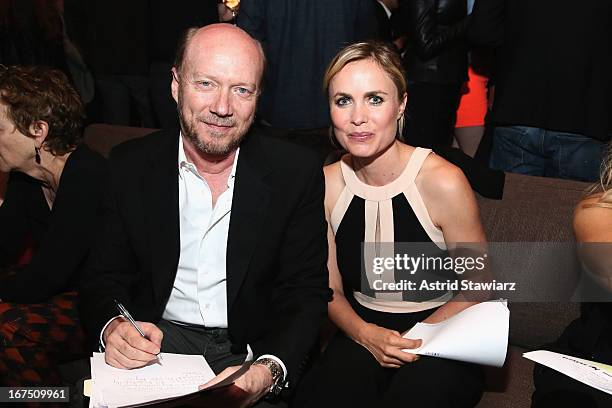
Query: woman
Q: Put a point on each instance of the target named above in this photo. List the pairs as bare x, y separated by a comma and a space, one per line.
589, 336
50, 209
471, 113
381, 191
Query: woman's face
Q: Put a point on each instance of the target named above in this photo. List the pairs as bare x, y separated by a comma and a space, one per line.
364, 108
16, 149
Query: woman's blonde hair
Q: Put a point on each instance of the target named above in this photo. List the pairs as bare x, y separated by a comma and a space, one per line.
382, 54
605, 183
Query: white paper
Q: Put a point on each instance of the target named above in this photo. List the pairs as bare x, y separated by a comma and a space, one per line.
591, 373
178, 375
478, 334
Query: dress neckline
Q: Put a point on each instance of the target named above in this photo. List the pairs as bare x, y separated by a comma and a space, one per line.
387, 191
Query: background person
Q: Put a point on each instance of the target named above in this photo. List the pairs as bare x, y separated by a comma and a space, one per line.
436, 65
553, 81
51, 207
589, 336
300, 38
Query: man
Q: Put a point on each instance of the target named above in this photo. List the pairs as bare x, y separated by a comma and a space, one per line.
552, 105
436, 63
300, 39
215, 238
384, 12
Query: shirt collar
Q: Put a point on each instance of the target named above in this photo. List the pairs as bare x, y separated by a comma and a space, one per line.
386, 8
185, 165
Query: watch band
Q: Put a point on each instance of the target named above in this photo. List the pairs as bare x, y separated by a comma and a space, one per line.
277, 374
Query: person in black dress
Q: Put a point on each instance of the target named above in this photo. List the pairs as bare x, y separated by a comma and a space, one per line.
385, 191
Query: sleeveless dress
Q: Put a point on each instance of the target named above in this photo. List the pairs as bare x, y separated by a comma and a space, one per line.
348, 374
379, 217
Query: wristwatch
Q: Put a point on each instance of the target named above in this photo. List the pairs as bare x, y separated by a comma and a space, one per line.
277, 375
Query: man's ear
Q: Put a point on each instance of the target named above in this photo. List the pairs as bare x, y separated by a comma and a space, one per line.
174, 86
39, 130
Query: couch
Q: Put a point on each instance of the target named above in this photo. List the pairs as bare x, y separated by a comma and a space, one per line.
533, 209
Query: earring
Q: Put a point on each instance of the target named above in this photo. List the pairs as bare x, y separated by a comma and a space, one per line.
401, 122
37, 154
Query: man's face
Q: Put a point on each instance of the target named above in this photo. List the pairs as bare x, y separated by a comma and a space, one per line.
216, 91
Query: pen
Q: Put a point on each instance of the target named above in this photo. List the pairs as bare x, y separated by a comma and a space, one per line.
124, 312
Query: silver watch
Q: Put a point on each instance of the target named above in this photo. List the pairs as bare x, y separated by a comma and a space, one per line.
277, 374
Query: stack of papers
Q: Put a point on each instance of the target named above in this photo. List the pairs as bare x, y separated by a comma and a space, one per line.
591, 373
479, 334
177, 375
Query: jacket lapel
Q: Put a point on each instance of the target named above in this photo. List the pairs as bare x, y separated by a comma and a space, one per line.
249, 209
160, 193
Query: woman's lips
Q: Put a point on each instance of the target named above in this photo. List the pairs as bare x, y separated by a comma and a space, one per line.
360, 136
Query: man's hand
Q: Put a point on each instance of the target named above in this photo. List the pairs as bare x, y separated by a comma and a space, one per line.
126, 348
386, 346
256, 382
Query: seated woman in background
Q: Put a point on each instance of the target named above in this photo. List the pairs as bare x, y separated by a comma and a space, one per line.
384, 191
50, 209
590, 336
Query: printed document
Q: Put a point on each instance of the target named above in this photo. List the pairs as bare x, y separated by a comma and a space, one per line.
178, 375
591, 373
478, 334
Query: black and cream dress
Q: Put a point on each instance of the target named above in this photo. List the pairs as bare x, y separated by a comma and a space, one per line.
348, 374
380, 221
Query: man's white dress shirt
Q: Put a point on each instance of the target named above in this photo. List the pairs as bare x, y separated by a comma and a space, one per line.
199, 295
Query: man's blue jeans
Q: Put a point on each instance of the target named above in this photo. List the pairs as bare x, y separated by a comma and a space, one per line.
541, 152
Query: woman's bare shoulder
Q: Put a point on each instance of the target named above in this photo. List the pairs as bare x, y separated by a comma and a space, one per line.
334, 184
439, 177
593, 222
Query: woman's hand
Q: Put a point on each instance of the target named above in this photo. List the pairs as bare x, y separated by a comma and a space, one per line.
386, 345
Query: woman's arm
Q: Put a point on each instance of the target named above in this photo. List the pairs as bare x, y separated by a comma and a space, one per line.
452, 206
593, 230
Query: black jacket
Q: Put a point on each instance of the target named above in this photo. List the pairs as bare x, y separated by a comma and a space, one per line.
437, 51
277, 282
61, 237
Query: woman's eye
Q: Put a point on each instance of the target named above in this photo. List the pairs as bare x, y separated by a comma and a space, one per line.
343, 101
376, 100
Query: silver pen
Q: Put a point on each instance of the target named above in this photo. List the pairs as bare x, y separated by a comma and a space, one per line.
124, 312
